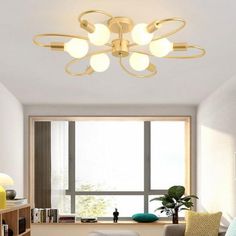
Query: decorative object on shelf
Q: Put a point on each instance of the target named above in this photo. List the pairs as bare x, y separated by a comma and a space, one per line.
145, 217
175, 201
115, 215
89, 220
10, 194
99, 35
5, 180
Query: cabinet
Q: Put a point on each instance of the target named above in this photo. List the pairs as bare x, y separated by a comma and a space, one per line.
11, 217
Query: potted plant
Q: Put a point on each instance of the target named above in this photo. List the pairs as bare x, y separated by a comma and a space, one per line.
175, 201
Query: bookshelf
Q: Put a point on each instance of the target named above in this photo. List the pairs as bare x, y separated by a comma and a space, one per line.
11, 217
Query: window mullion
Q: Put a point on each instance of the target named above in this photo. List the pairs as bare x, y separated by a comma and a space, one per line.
147, 175
72, 164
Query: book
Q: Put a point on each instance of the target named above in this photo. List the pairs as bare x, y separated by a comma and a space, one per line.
35, 218
67, 218
4, 230
16, 202
53, 216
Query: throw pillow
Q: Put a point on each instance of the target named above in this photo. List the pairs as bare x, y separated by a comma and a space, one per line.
232, 229
202, 224
144, 217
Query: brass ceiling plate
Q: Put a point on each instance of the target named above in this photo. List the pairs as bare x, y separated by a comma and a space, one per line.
125, 23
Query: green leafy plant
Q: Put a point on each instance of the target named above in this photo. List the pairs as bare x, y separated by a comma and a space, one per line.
175, 201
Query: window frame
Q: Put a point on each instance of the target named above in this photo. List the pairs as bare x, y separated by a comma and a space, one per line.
147, 156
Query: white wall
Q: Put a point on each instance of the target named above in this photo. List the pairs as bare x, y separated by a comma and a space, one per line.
216, 152
11, 138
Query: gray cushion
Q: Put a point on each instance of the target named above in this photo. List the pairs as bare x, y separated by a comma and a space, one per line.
174, 230
178, 230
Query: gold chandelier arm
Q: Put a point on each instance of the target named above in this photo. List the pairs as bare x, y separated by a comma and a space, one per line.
160, 23
151, 68
142, 52
92, 12
201, 53
36, 38
89, 69
90, 27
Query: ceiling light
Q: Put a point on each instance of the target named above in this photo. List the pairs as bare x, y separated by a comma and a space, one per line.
99, 62
139, 59
140, 34
100, 36
77, 48
161, 47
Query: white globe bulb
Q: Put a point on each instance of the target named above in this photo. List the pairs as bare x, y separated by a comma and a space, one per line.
100, 36
161, 47
140, 35
139, 61
99, 62
77, 48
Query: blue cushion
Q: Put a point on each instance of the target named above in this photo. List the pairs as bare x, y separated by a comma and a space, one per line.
232, 229
144, 217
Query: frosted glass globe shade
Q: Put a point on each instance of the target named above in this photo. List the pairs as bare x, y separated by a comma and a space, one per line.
99, 62
161, 47
100, 36
140, 35
77, 48
5, 180
138, 61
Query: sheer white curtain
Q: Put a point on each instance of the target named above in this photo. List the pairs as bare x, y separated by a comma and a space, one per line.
59, 166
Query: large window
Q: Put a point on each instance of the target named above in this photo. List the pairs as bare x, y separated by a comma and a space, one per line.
97, 165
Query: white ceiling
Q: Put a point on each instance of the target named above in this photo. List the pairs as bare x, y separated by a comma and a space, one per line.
36, 75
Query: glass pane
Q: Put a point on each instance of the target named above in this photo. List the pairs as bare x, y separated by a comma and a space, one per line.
59, 167
167, 154
109, 155
155, 204
62, 202
104, 206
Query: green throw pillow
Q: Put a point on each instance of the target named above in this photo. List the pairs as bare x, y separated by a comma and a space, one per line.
144, 217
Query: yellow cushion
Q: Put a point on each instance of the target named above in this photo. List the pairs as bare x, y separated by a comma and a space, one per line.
202, 224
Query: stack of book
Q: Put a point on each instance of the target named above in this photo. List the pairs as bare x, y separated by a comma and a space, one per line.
44, 215
67, 218
16, 202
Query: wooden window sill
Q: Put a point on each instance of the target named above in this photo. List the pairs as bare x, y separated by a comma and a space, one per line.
111, 223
